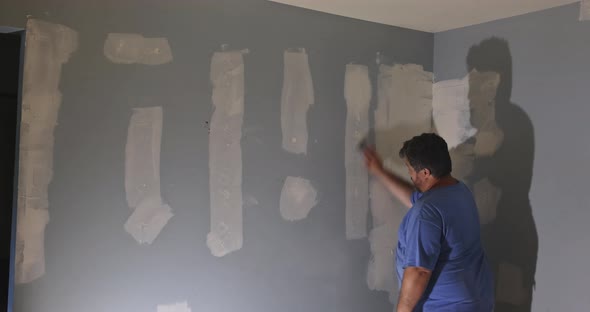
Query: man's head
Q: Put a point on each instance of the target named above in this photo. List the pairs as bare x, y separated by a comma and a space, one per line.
427, 158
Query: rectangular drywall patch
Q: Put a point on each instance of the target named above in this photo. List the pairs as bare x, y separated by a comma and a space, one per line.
225, 153
482, 100
124, 48
404, 110
465, 109
148, 220
451, 112
296, 98
380, 272
584, 10
387, 215
142, 175
142, 154
298, 197
176, 307
48, 47
357, 92
487, 196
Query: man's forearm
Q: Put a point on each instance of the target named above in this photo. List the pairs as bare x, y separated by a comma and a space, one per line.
413, 285
401, 189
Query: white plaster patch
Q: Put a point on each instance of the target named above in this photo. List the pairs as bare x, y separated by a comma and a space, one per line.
175, 307
488, 141
148, 220
48, 47
225, 153
404, 110
482, 95
382, 204
451, 111
381, 273
357, 92
487, 197
489, 136
387, 214
125, 48
298, 197
584, 10
297, 96
462, 158
32, 226
510, 288
142, 175
142, 154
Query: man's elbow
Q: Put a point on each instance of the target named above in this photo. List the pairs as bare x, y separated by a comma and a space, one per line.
420, 272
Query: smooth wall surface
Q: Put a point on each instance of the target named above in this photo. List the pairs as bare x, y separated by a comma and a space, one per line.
540, 237
92, 264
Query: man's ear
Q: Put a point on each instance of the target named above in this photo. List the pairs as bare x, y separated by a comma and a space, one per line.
426, 172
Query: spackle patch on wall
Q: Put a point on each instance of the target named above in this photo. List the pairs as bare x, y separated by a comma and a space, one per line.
134, 48
387, 215
142, 175
482, 96
584, 10
451, 112
487, 196
482, 115
48, 47
298, 197
380, 272
225, 153
176, 307
404, 109
297, 96
357, 92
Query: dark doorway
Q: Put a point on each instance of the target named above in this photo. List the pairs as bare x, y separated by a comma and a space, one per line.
10, 69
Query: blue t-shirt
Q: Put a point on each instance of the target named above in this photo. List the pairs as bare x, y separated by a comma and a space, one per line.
441, 233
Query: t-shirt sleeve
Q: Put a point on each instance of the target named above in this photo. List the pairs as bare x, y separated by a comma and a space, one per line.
424, 236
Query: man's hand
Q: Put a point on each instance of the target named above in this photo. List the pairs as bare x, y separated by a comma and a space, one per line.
372, 160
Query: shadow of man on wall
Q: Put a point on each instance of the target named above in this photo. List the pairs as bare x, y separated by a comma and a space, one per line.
510, 239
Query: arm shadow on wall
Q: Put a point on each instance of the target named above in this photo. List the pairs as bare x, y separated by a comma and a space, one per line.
501, 176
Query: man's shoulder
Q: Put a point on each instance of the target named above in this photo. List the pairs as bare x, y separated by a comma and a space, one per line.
448, 195
441, 202
426, 209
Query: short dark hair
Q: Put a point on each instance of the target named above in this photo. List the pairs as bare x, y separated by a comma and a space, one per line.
429, 151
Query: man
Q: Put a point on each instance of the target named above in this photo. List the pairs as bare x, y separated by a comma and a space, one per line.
441, 265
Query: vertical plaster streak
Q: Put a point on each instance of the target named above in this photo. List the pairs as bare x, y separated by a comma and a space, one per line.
225, 153
357, 92
48, 47
297, 97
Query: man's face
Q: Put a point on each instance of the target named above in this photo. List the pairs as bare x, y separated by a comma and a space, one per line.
418, 177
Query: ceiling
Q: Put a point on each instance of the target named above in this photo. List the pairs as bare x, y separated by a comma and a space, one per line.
427, 15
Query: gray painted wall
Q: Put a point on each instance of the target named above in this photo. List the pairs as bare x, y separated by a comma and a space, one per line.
92, 264
543, 108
